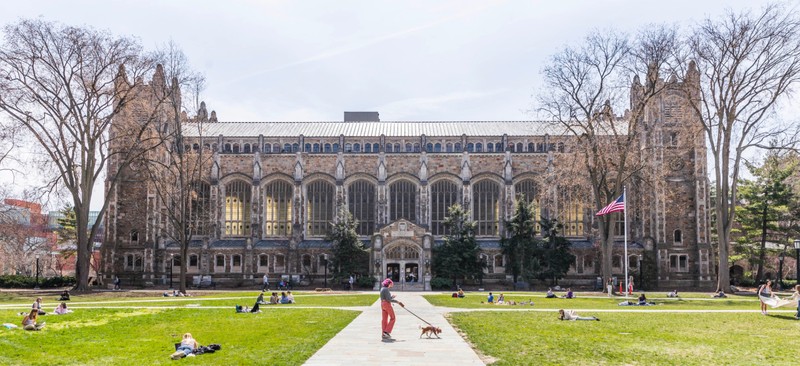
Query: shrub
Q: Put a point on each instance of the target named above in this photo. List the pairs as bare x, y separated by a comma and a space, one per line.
17, 281
440, 283
365, 282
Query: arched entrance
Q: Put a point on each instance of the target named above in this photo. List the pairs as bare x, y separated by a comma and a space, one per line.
403, 262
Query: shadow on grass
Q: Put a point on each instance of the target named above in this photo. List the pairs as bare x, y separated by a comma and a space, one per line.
784, 317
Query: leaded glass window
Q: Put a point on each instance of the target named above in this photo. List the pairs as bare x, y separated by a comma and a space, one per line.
278, 208
403, 201
486, 207
570, 211
361, 203
320, 205
444, 194
237, 208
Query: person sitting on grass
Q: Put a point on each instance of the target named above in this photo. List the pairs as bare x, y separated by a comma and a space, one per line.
260, 299
720, 294
573, 315
642, 299
29, 321
186, 347
501, 300
460, 293
61, 309
64, 296
284, 299
550, 294
290, 297
37, 305
673, 293
273, 299
569, 294
490, 298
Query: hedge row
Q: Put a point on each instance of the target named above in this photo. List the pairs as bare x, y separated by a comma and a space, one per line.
18, 281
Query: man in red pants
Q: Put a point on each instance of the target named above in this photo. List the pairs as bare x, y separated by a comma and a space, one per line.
387, 318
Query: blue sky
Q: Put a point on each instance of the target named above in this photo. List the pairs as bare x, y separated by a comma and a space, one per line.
408, 60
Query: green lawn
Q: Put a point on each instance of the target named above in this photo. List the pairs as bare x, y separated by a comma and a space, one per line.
537, 338
115, 299
689, 301
147, 336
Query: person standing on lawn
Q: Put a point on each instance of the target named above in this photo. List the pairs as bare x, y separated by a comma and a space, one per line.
266, 282
387, 312
766, 291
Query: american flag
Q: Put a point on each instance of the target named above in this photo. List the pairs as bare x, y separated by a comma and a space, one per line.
616, 206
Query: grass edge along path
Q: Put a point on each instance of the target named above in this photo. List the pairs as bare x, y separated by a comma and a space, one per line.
147, 336
630, 338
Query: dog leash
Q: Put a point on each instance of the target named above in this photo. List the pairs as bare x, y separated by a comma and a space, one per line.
412, 313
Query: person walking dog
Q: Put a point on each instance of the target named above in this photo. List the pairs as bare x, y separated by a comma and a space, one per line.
387, 317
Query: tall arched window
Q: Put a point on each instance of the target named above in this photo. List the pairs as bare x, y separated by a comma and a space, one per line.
267, 148
278, 208
237, 208
403, 201
570, 211
316, 148
457, 147
200, 207
356, 147
490, 147
336, 147
444, 194
388, 148
448, 147
528, 191
409, 147
320, 196
361, 202
478, 147
470, 147
486, 207
327, 148
437, 147
376, 147
367, 148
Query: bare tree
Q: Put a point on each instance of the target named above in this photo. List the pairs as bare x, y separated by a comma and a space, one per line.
60, 85
176, 168
748, 63
583, 87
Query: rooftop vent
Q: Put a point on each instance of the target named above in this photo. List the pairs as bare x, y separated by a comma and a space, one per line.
361, 117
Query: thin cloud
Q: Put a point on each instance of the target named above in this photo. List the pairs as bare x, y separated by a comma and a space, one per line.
422, 105
366, 43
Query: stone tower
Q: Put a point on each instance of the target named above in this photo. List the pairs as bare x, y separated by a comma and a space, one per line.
675, 225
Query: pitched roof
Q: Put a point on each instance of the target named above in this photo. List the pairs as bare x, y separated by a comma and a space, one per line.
372, 129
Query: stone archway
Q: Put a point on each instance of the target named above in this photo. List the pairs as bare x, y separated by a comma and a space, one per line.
403, 261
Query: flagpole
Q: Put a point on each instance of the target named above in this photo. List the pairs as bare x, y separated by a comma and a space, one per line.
625, 215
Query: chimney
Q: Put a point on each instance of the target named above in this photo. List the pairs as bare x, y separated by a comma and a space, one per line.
361, 117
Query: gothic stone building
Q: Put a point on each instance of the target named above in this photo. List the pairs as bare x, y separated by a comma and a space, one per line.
273, 189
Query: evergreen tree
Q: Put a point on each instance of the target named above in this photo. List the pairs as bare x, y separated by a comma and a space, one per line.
458, 257
521, 242
552, 257
349, 254
764, 202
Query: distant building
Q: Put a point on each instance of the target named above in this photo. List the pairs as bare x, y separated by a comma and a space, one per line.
274, 187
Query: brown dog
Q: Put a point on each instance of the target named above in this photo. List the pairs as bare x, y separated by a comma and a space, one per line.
430, 331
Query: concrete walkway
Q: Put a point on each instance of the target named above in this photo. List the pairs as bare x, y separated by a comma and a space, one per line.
360, 342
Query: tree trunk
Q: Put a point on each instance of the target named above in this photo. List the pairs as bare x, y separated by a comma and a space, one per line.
84, 248
762, 250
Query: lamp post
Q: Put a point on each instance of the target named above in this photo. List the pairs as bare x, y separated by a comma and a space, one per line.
780, 269
325, 263
171, 266
797, 260
37, 273
641, 282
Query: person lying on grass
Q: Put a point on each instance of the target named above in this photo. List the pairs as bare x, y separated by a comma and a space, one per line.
61, 309
187, 346
573, 315
29, 321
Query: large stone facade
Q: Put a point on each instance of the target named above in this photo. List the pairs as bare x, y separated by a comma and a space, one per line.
274, 187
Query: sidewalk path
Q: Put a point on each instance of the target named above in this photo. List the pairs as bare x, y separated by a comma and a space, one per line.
360, 342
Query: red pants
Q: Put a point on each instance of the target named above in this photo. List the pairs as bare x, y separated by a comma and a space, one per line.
387, 319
